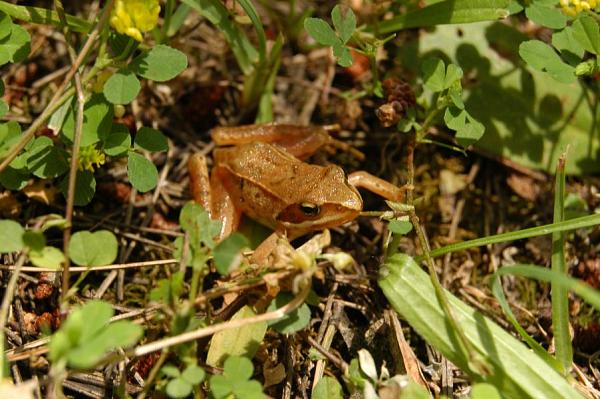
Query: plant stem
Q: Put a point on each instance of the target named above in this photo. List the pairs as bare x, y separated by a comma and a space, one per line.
559, 293
6, 300
74, 157
169, 7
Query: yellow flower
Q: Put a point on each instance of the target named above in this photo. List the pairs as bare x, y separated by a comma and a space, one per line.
574, 7
90, 156
132, 17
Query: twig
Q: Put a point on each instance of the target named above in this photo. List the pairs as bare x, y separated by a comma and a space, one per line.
81, 269
74, 156
6, 300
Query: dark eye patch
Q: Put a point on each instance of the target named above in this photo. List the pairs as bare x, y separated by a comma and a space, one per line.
310, 209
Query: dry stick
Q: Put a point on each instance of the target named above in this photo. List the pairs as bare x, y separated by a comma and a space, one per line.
55, 102
81, 269
466, 346
6, 300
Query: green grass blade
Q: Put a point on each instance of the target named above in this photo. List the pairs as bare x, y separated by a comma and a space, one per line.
533, 344
515, 371
44, 16
265, 104
571, 224
587, 293
214, 10
447, 12
258, 26
560, 298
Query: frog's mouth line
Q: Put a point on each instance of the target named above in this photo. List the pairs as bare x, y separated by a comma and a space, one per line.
321, 223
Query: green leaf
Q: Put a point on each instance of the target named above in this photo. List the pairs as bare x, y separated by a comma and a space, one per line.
11, 236
468, 130
97, 120
3, 108
45, 160
34, 240
239, 368
453, 74
193, 374
587, 32
484, 391
196, 221
434, 74
85, 187
292, 322
141, 172
170, 371
327, 388
321, 31
401, 227
343, 55
16, 46
565, 42
14, 179
48, 257
44, 16
542, 57
151, 139
245, 53
118, 141
248, 390
93, 249
178, 388
447, 12
227, 253
5, 28
243, 341
513, 369
122, 87
10, 133
160, 63
545, 15
122, 333
344, 25
220, 386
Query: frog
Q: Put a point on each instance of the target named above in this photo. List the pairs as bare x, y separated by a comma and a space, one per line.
260, 171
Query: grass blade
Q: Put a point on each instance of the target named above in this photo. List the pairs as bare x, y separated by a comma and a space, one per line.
560, 298
571, 224
213, 10
44, 16
447, 12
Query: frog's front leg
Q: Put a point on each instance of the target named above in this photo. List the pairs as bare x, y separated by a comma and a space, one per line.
383, 188
211, 194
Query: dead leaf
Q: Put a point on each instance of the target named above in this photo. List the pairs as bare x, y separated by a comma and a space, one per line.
273, 375
524, 186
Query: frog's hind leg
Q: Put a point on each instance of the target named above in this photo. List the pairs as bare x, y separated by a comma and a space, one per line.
210, 193
223, 208
199, 181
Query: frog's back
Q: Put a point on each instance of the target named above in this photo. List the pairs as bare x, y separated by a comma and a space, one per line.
271, 168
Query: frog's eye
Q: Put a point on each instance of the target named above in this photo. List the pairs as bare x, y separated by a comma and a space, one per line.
310, 209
